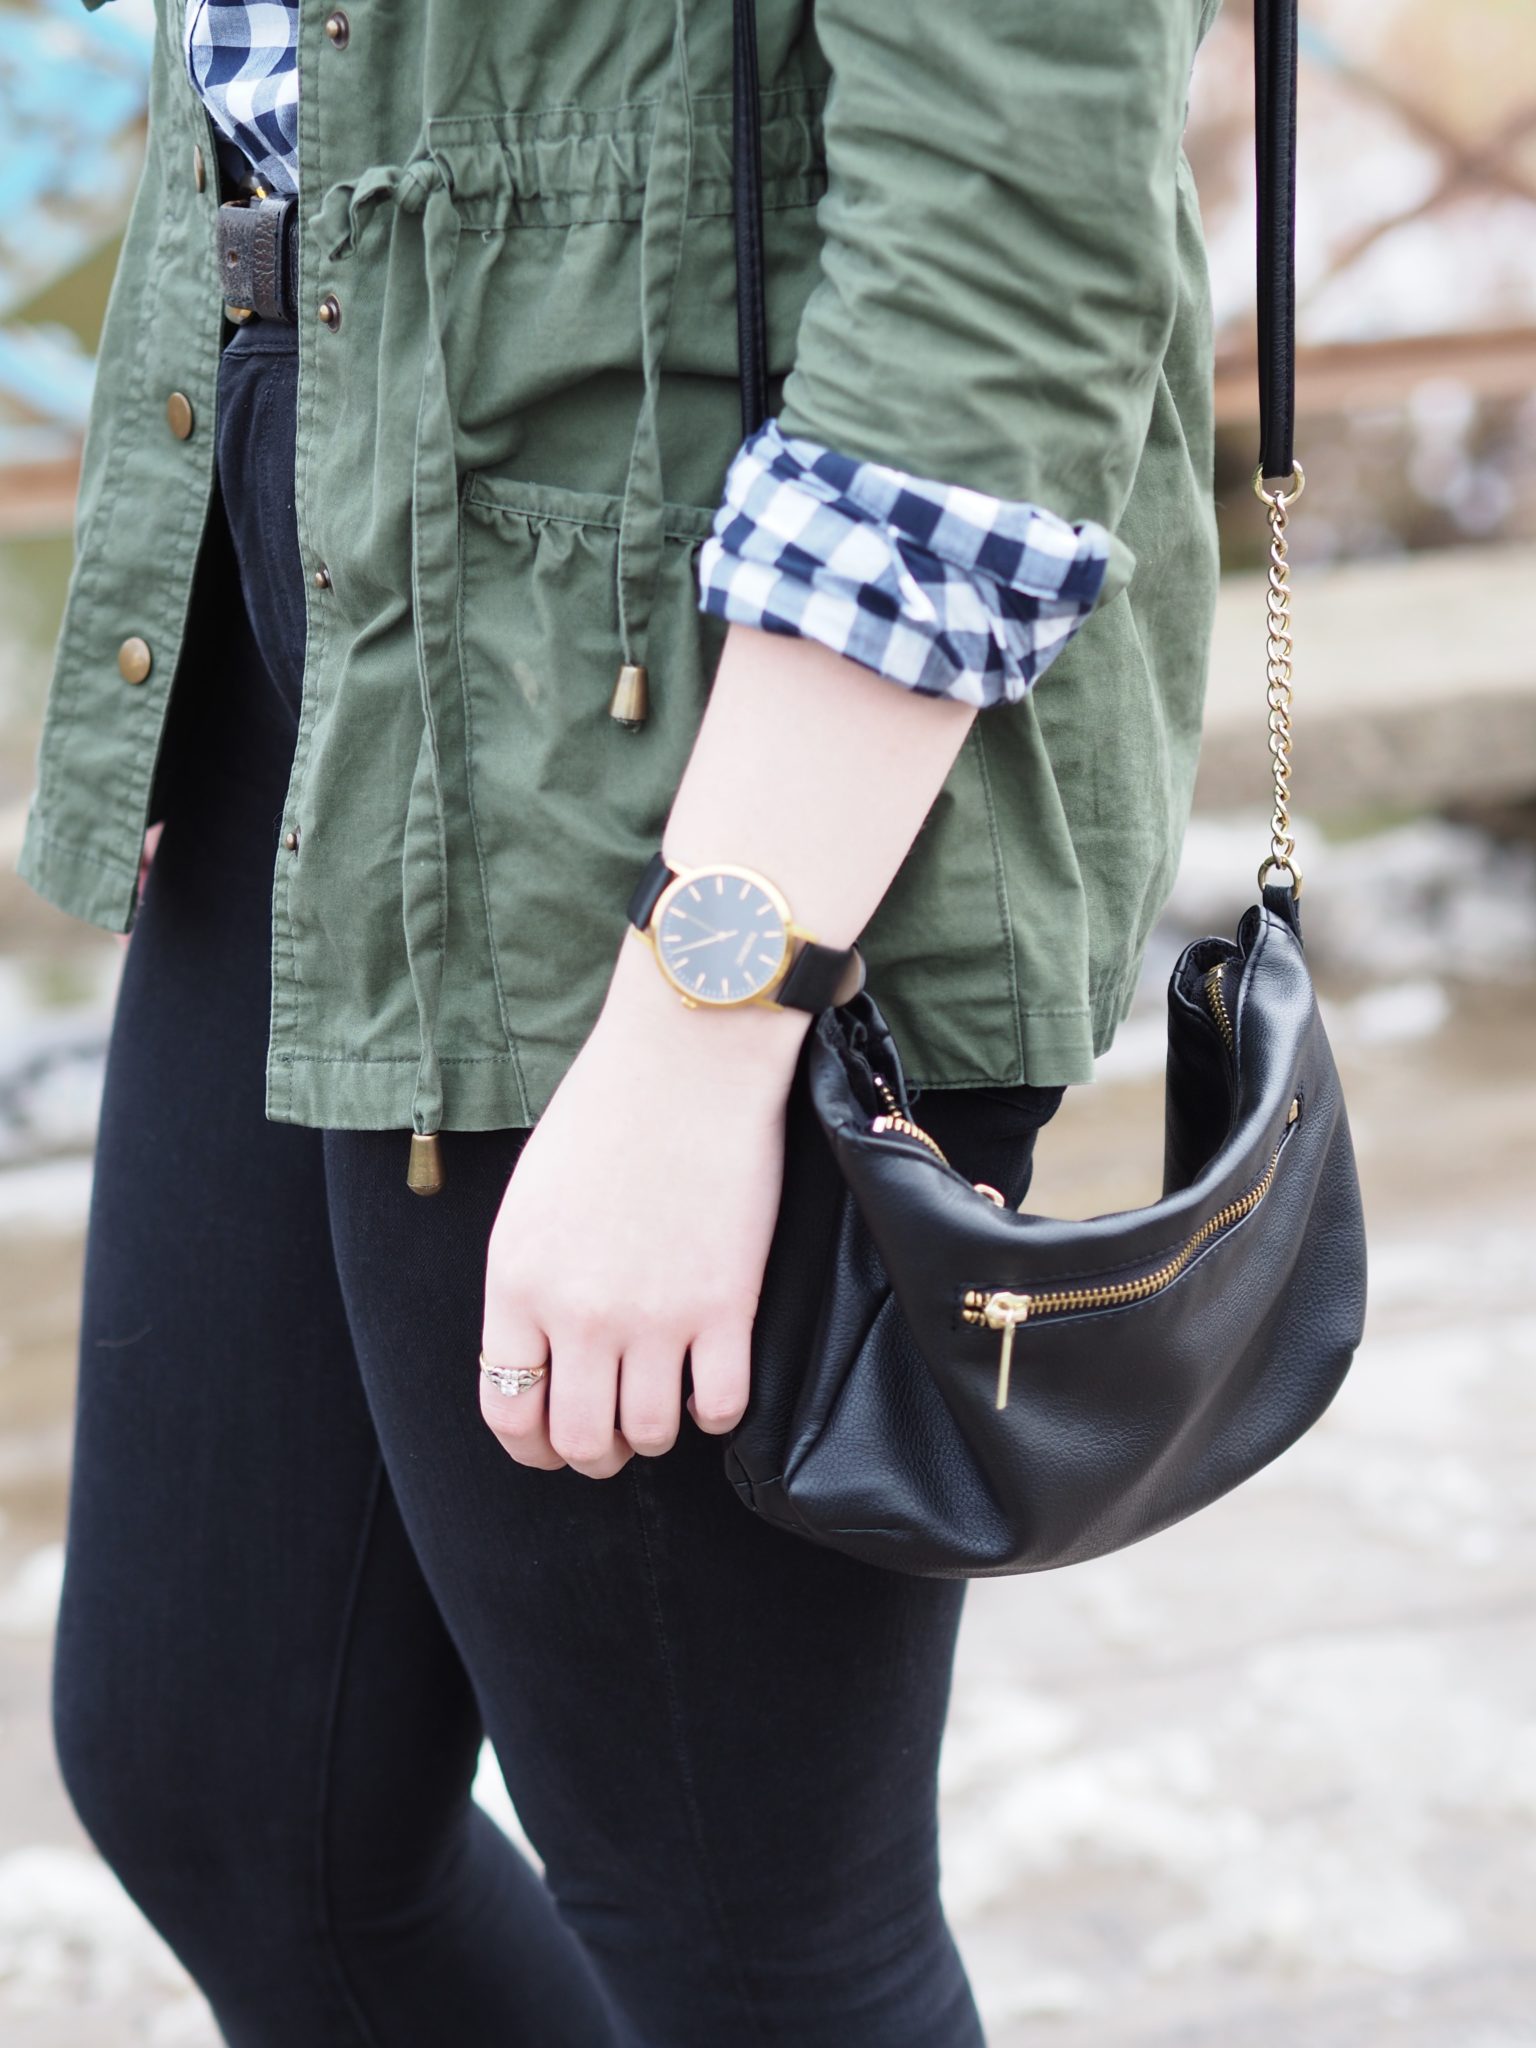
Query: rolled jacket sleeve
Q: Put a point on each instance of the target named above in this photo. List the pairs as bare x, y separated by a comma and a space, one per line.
999, 265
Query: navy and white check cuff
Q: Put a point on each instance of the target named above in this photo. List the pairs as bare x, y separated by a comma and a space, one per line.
944, 590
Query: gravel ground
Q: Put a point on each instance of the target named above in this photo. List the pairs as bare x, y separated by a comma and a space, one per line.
1267, 1779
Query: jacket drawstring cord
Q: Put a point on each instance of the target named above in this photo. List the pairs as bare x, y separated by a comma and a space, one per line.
663, 220
434, 585
421, 191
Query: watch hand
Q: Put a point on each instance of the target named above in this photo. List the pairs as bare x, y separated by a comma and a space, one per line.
693, 945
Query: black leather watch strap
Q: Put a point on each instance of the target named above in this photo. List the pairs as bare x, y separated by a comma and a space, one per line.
647, 890
818, 976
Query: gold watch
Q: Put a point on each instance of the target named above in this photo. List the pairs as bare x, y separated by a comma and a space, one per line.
723, 936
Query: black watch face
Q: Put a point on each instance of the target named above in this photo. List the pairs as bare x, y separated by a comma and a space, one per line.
720, 936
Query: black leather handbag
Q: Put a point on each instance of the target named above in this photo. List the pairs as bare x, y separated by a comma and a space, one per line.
945, 1385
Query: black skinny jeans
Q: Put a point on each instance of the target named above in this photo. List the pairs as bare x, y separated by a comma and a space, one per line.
303, 1579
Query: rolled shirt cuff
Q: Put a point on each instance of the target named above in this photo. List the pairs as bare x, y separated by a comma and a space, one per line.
947, 591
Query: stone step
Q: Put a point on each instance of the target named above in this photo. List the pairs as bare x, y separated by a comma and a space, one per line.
1415, 685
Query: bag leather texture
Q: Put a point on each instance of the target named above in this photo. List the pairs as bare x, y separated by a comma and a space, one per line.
872, 1426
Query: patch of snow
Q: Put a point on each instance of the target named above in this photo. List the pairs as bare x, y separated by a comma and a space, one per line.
489, 1791
1024, 1990
1140, 1050
1460, 902
1388, 1016
1420, 1389
1119, 1609
996, 1727
1152, 1805
53, 1196
31, 1600
71, 1936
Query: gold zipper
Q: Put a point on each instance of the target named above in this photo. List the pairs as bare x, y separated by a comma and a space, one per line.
894, 1119
1002, 1309
1216, 996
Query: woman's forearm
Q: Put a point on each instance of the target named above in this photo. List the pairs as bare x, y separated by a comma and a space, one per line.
814, 770
819, 774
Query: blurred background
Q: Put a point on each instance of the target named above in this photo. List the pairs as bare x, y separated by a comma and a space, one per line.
1271, 1777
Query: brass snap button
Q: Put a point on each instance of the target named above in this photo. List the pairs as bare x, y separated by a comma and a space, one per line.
134, 660
330, 312
291, 842
339, 29
178, 415
199, 167
322, 578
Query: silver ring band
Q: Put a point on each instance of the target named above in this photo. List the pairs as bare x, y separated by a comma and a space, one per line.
513, 1379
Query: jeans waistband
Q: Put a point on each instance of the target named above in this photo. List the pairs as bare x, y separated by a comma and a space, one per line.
257, 337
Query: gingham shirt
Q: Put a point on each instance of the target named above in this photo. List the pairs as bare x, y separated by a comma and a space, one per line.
243, 57
944, 590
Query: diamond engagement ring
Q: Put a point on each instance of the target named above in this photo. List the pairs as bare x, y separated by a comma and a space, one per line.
513, 1379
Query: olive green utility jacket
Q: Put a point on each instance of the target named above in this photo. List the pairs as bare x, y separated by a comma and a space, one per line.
984, 265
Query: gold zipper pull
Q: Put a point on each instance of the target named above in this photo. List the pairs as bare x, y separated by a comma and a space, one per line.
1004, 1311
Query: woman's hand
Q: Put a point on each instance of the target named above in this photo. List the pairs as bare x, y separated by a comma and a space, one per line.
637, 1223
636, 1226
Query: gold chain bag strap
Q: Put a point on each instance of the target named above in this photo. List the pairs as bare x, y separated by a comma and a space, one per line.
1281, 858
949, 1385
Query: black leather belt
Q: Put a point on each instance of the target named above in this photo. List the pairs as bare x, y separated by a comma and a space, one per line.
258, 257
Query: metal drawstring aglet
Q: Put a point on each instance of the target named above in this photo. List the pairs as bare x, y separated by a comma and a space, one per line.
424, 1174
631, 701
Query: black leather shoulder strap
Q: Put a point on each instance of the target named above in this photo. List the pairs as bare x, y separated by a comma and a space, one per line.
1274, 79
751, 297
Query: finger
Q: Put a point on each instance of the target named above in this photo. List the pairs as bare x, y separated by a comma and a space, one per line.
651, 1395
583, 1404
519, 1421
722, 1376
